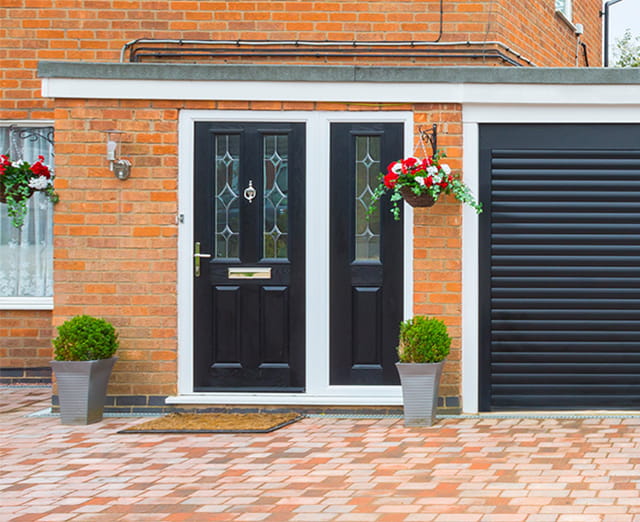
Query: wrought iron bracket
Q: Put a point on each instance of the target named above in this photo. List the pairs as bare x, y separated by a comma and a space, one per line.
430, 137
32, 133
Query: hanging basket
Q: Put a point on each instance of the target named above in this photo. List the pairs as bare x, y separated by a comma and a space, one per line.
415, 200
3, 195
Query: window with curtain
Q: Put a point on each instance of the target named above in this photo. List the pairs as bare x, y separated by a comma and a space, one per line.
26, 253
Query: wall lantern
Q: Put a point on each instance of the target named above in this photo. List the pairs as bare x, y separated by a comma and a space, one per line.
121, 168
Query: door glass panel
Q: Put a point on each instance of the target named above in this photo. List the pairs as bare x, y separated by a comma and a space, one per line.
227, 201
276, 189
367, 231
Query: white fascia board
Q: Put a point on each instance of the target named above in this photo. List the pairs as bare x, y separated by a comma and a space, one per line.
551, 113
247, 90
363, 92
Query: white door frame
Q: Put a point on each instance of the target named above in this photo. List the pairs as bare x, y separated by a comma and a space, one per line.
318, 390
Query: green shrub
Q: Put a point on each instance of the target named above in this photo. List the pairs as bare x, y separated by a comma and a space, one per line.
85, 338
423, 340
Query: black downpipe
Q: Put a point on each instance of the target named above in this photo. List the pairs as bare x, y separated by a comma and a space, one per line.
605, 13
586, 54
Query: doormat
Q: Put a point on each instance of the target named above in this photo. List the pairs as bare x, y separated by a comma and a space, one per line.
216, 423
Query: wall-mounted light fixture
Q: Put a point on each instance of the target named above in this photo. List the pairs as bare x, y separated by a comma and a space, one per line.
121, 168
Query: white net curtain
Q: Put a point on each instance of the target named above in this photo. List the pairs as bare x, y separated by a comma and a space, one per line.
26, 253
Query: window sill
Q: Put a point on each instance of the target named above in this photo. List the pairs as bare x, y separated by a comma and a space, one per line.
566, 20
26, 303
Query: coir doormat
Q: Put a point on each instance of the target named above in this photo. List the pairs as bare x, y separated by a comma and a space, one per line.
216, 423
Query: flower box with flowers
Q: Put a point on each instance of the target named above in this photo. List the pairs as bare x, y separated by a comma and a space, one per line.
420, 182
19, 180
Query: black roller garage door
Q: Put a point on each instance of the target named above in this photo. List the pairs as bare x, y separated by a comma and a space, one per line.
560, 267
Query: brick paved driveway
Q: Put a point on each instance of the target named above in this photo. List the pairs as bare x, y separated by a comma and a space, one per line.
319, 469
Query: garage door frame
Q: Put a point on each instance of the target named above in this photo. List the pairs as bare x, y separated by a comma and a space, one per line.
563, 109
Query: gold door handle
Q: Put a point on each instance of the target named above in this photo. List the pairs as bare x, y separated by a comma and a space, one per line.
196, 258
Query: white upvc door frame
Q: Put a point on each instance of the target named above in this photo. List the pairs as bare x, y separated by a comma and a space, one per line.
318, 390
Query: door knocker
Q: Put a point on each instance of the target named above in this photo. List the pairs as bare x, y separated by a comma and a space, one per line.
249, 192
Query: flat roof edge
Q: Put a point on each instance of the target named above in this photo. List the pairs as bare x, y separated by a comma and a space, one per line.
337, 73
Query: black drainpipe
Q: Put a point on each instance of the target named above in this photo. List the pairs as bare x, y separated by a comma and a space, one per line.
605, 13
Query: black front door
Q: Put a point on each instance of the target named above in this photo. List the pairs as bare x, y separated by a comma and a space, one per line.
366, 257
249, 299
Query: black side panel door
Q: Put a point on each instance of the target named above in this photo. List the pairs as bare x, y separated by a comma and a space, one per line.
366, 257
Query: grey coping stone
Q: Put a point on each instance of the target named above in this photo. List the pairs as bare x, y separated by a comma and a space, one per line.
338, 73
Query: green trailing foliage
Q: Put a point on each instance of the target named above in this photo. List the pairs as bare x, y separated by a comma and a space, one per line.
423, 340
85, 338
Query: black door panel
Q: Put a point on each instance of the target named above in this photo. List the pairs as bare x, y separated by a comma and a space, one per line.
366, 257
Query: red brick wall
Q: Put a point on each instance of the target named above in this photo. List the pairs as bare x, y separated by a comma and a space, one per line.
535, 30
437, 246
85, 30
25, 343
115, 248
116, 241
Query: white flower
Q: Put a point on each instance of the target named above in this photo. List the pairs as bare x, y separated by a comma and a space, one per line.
432, 170
39, 183
17, 164
445, 168
420, 181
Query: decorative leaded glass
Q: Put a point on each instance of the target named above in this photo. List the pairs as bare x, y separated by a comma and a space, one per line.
276, 189
367, 231
227, 201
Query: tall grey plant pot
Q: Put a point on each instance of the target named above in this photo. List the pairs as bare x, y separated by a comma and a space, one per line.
420, 383
82, 388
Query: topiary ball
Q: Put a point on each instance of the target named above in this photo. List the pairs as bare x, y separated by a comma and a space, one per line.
85, 338
423, 340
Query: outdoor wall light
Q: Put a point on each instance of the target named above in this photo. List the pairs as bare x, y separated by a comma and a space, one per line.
121, 168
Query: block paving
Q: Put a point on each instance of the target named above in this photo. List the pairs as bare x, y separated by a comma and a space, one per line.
464, 469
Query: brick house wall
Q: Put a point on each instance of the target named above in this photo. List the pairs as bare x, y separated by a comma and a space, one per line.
134, 286
116, 246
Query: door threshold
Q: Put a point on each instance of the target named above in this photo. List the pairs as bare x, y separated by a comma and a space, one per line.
392, 396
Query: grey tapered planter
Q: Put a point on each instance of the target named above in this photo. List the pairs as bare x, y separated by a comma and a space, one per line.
82, 388
420, 383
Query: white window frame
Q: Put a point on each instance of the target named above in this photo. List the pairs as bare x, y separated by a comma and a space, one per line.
565, 10
22, 302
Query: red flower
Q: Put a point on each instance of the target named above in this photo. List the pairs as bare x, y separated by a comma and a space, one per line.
394, 167
390, 180
443, 184
410, 164
39, 169
429, 181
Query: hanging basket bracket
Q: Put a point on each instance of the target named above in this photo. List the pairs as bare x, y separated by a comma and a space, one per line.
429, 137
